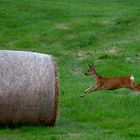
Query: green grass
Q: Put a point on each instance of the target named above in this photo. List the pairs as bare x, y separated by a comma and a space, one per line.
76, 33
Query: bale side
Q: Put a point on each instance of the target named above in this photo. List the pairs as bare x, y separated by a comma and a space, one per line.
28, 88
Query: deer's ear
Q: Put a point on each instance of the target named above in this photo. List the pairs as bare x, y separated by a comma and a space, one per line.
90, 66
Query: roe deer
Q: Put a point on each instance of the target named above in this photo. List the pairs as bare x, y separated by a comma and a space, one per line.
109, 83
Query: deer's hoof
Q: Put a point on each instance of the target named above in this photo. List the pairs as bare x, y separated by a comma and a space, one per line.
82, 95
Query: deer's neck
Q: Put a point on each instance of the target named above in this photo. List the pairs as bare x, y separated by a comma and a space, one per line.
97, 77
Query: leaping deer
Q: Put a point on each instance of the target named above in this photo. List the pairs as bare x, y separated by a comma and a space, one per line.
109, 83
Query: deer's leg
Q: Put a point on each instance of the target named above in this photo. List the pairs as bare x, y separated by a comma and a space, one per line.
136, 87
89, 90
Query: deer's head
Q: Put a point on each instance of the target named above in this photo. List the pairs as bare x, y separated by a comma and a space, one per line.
91, 71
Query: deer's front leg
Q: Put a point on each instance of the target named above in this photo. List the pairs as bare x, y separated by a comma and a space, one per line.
89, 90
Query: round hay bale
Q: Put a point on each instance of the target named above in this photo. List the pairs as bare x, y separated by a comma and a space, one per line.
28, 88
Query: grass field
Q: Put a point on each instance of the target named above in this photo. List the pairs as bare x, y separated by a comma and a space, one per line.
77, 33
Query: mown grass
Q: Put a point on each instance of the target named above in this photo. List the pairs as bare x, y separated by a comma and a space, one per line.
76, 33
